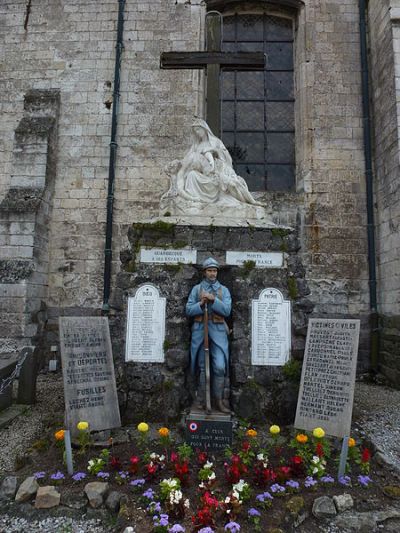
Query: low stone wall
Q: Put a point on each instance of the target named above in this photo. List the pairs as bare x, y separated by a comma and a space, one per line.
151, 391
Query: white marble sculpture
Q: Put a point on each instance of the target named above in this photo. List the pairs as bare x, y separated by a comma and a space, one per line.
204, 183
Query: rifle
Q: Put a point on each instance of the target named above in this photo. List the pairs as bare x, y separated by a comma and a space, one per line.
207, 360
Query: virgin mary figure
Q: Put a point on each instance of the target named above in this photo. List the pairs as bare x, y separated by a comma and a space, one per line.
205, 177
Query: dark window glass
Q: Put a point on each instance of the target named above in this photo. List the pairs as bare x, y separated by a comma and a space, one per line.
257, 107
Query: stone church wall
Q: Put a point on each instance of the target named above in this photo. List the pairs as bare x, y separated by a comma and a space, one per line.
384, 23
69, 47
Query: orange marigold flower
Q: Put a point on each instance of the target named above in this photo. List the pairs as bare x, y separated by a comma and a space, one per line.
163, 432
251, 433
59, 435
301, 438
351, 442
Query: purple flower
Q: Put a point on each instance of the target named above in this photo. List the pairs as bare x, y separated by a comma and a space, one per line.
253, 512
39, 475
310, 482
206, 530
176, 528
123, 474
277, 488
79, 476
345, 480
292, 484
149, 494
57, 476
161, 520
154, 507
137, 482
233, 527
103, 475
264, 496
327, 479
364, 481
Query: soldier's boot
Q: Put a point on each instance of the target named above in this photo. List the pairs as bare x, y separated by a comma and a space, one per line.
221, 406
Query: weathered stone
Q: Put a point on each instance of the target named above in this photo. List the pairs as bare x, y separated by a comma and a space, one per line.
113, 501
343, 502
365, 522
95, 492
27, 490
324, 507
8, 488
47, 497
393, 491
73, 501
297, 513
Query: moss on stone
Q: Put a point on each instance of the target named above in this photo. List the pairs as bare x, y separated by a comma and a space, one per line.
292, 370
292, 287
248, 266
280, 232
295, 505
393, 491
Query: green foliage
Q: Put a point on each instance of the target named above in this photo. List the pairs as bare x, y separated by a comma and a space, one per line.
280, 232
185, 451
174, 268
41, 445
292, 287
247, 267
292, 370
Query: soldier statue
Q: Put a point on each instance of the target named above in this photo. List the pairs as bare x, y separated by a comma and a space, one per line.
210, 295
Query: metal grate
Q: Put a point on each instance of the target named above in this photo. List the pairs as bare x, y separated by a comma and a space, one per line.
257, 107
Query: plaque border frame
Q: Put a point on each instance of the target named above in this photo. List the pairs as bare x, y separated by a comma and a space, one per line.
289, 329
164, 300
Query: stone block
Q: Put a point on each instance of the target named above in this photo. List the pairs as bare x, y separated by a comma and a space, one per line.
47, 497
27, 490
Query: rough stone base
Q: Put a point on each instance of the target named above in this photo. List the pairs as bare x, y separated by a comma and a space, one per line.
162, 391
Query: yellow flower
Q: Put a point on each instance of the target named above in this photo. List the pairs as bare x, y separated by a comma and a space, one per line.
143, 427
274, 430
251, 433
301, 438
318, 433
352, 442
82, 426
59, 435
163, 432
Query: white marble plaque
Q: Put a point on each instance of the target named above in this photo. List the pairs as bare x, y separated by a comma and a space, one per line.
168, 256
328, 376
270, 329
89, 383
145, 326
261, 259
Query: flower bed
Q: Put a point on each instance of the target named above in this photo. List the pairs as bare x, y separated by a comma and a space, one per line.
268, 479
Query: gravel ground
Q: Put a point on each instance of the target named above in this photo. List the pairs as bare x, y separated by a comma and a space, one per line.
376, 413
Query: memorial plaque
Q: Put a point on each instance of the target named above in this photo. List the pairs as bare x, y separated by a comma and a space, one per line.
89, 383
168, 256
208, 432
270, 329
328, 376
261, 259
146, 326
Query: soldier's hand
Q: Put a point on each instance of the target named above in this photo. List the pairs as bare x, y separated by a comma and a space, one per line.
203, 300
210, 297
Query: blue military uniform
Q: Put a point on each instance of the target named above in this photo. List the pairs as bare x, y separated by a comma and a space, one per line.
217, 332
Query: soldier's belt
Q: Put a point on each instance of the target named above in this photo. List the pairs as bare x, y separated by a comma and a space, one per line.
217, 319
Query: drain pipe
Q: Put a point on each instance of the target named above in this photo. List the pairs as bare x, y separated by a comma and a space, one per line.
374, 318
113, 156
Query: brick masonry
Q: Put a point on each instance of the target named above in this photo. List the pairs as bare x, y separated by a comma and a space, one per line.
69, 47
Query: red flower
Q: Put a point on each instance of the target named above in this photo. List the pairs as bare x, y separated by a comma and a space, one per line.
115, 463
283, 473
319, 450
202, 458
174, 457
182, 471
210, 500
365, 455
246, 446
134, 462
151, 469
297, 465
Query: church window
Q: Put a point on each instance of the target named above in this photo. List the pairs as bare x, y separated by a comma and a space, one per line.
257, 106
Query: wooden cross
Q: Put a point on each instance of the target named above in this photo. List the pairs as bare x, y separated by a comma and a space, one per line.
213, 60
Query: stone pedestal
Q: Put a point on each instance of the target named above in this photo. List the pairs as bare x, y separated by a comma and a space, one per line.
161, 391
